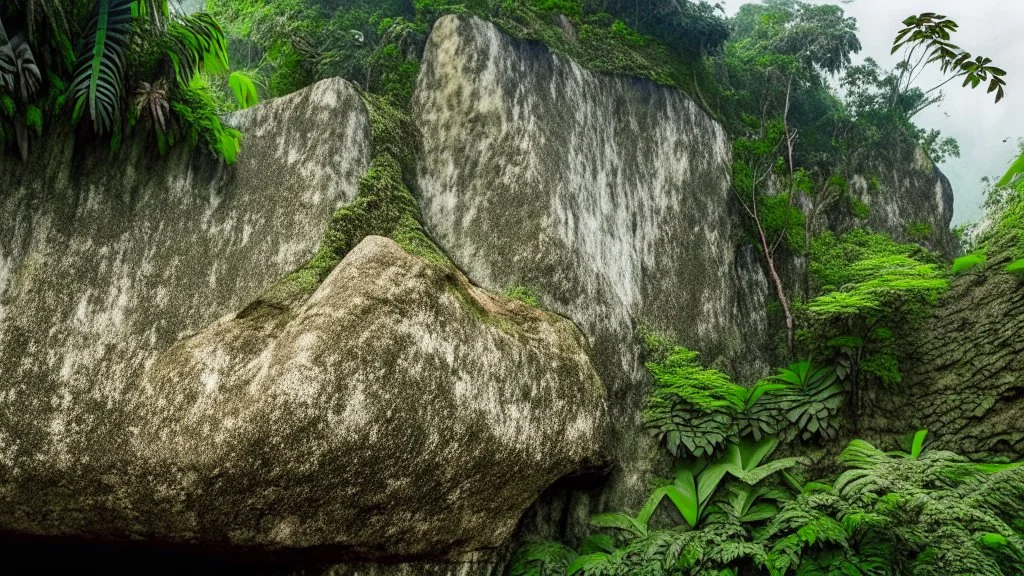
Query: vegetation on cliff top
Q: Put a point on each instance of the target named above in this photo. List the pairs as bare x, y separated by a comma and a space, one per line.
117, 66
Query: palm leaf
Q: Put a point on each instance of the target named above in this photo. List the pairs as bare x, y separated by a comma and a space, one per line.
26, 71
197, 45
244, 89
99, 80
8, 65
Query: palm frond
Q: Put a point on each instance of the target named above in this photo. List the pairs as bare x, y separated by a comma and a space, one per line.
197, 44
244, 88
99, 80
26, 71
8, 65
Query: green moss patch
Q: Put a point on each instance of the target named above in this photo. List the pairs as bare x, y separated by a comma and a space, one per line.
384, 206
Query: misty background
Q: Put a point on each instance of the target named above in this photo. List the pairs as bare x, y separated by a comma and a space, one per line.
987, 132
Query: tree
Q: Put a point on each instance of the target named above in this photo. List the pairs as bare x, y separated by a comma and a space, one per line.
926, 39
135, 61
692, 27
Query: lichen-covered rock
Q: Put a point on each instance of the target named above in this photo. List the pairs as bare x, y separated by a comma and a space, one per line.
397, 413
964, 372
608, 196
400, 412
108, 260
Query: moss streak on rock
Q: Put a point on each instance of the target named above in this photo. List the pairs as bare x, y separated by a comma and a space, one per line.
385, 206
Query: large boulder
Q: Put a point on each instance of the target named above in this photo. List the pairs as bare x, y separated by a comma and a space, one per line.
383, 417
397, 413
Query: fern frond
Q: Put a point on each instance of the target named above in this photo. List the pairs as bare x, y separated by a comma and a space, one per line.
620, 521
542, 559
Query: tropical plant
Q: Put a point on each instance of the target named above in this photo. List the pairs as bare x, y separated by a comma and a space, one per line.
807, 405
243, 86
925, 39
695, 411
692, 409
98, 85
134, 60
872, 289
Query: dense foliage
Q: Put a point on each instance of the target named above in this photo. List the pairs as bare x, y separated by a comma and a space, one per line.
377, 45
114, 66
735, 510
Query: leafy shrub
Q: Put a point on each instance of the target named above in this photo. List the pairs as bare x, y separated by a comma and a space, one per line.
197, 109
780, 218
692, 409
696, 411
920, 231
968, 262
859, 208
919, 512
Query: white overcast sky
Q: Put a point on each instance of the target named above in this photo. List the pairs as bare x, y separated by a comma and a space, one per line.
987, 27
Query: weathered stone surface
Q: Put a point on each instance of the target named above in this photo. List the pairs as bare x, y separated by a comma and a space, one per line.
384, 417
964, 374
399, 413
608, 196
908, 198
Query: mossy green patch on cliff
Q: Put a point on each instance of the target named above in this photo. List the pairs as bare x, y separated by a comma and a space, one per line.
524, 294
599, 42
920, 231
383, 206
859, 209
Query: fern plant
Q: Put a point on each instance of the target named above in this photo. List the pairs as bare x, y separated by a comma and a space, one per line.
806, 404
692, 409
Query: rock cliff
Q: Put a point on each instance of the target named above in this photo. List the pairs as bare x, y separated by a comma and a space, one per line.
378, 417
396, 416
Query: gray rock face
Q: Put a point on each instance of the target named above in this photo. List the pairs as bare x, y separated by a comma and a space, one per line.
400, 412
608, 196
106, 263
908, 197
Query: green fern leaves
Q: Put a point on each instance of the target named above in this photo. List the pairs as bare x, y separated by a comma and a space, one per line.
98, 85
696, 411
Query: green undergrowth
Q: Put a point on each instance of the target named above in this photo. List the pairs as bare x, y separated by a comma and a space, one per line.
734, 504
598, 42
1005, 208
383, 206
